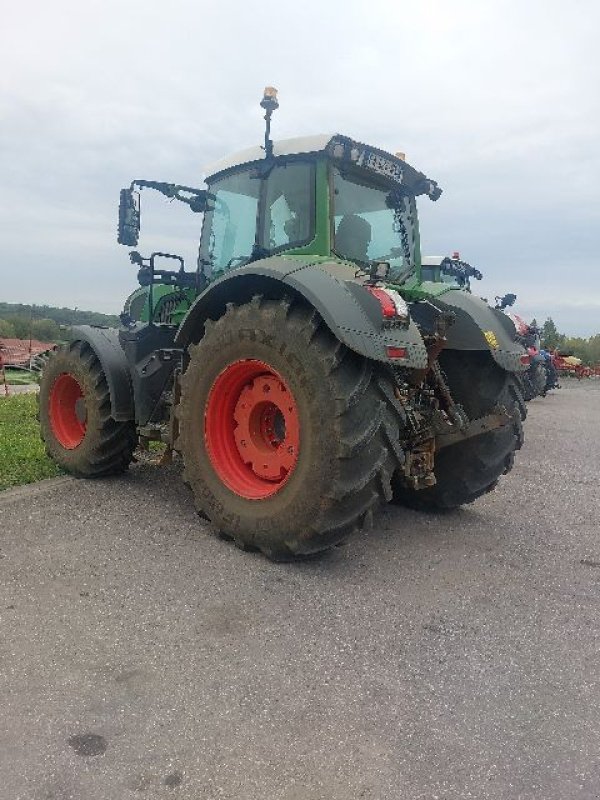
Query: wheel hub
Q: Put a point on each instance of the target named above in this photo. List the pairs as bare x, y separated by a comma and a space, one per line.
252, 429
263, 415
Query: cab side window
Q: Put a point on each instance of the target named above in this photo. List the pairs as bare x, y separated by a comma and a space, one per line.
289, 206
232, 221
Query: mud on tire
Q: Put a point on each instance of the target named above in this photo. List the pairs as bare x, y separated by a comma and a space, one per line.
344, 464
469, 469
75, 416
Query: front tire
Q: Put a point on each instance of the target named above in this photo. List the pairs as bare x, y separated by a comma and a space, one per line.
283, 431
467, 470
75, 416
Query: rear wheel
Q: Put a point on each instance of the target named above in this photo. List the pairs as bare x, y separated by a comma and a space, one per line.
75, 421
533, 381
283, 430
539, 379
467, 470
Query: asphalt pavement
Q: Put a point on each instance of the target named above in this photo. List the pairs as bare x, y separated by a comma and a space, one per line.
453, 656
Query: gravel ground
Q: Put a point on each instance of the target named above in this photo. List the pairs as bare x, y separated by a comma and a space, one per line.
448, 657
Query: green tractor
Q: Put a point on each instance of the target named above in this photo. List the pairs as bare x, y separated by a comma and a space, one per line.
310, 368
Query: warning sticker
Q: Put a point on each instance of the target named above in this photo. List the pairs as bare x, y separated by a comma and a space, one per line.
490, 338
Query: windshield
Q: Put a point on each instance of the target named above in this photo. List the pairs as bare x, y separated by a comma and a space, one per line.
284, 199
374, 223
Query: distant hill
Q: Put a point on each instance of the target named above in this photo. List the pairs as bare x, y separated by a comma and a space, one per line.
62, 316
17, 321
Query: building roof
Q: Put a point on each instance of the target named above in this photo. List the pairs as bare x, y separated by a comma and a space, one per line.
16, 352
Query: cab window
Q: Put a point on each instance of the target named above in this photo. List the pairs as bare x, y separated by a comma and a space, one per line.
230, 223
373, 223
289, 201
286, 197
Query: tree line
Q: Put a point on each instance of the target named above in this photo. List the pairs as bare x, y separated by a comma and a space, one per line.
46, 323
588, 350
50, 324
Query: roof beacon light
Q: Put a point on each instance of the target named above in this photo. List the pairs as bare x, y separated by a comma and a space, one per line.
270, 96
269, 103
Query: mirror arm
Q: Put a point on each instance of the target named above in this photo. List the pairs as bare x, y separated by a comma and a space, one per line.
197, 202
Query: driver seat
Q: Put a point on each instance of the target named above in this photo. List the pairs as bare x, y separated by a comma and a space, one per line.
353, 237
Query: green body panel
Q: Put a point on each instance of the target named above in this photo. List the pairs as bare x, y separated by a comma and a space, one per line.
182, 300
417, 236
414, 289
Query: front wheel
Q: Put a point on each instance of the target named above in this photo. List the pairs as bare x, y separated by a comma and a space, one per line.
283, 430
75, 416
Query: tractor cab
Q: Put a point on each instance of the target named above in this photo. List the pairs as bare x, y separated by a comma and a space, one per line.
448, 273
325, 196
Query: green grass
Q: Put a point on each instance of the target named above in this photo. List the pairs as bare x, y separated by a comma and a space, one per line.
19, 377
22, 455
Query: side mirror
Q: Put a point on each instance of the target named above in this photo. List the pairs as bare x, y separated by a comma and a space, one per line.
198, 204
129, 218
508, 300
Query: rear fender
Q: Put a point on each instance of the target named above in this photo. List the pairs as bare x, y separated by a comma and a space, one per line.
350, 312
479, 327
105, 344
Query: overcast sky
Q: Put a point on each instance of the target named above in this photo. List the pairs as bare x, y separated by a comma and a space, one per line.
499, 101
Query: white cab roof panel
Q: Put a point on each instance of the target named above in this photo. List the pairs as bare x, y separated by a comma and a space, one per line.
284, 147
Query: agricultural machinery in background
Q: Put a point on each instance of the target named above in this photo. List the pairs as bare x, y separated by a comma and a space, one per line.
312, 366
567, 364
541, 376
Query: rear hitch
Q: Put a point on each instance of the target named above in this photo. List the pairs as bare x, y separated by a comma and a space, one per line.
447, 434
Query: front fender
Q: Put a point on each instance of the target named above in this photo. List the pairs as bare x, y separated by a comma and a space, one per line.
479, 327
105, 344
349, 311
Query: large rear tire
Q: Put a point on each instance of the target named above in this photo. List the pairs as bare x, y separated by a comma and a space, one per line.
539, 379
467, 470
75, 416
284, 432
534, 381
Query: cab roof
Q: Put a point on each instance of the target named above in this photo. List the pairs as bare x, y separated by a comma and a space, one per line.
284, 147
377, 161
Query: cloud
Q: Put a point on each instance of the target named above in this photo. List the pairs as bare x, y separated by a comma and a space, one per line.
506, 116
